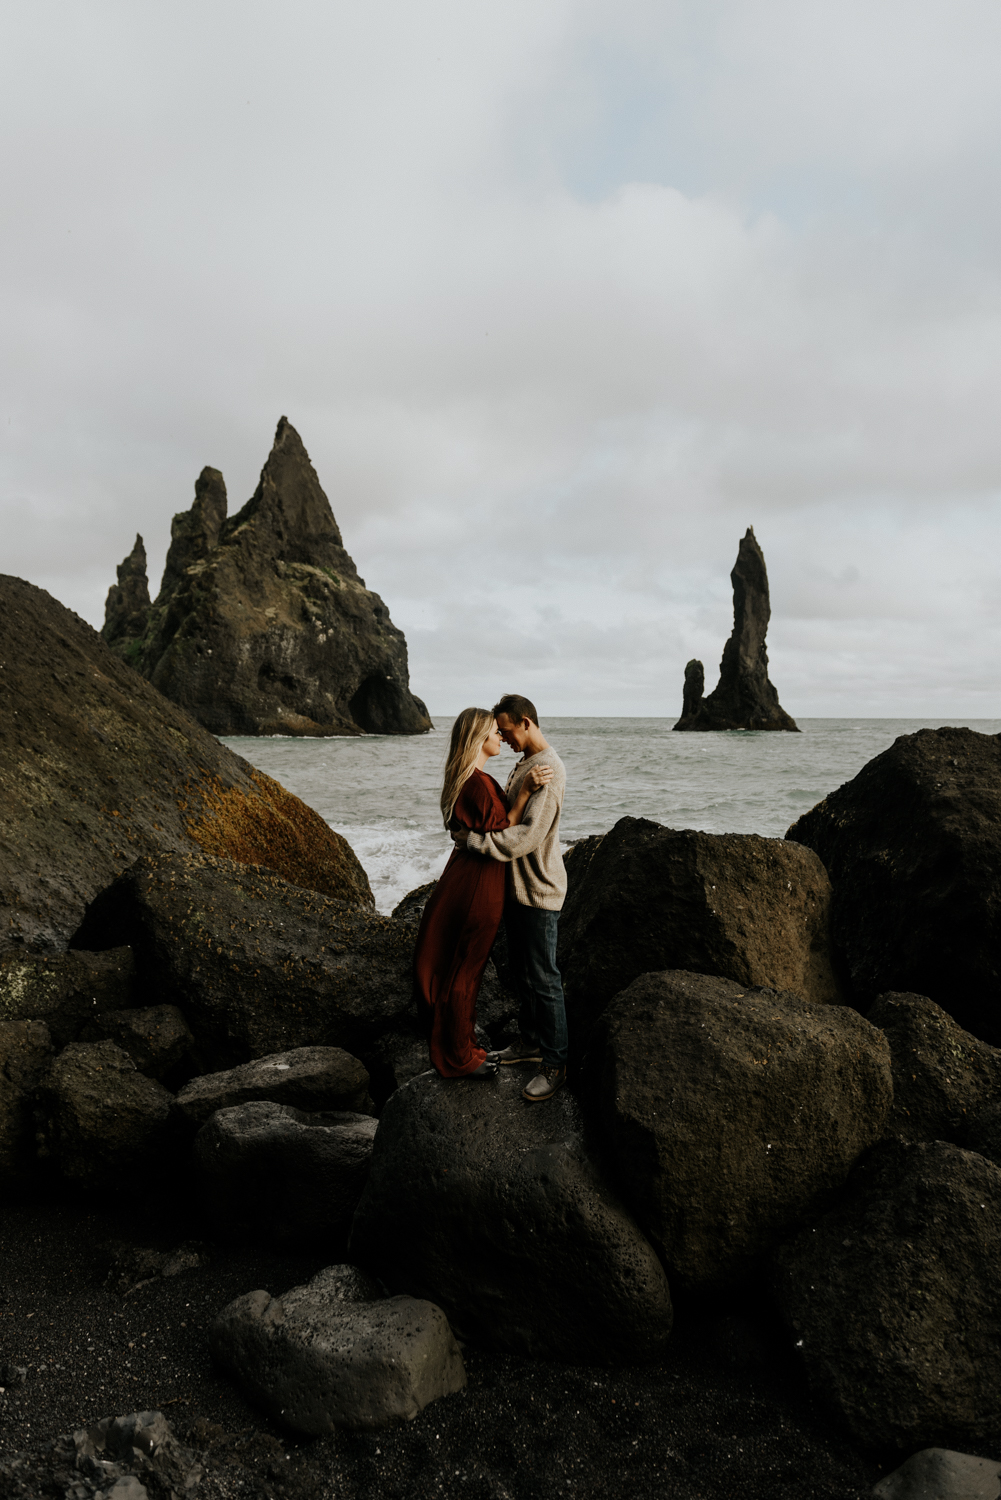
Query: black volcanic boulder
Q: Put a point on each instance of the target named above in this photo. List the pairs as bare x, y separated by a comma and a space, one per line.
310, 1078
894, 1301
335, 1354
262, 624
496, 1211
943, 1077
66, 990
258, 965
732, 1115
101, 1122
97, 768
25, 1052
913, 847
645, 897
270, 1172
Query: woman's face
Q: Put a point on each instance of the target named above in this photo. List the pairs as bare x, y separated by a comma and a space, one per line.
492, 743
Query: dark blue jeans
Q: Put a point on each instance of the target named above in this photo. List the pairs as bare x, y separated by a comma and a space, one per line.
542, 1017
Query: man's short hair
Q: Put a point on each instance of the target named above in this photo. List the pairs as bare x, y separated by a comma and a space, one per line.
517, 708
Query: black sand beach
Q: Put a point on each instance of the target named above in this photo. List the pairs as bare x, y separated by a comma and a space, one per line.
725, 1414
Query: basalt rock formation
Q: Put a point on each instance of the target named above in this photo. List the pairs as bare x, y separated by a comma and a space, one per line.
262, 624
126, 613
97, 768
744, 698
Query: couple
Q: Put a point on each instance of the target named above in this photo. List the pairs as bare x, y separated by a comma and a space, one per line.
506, 863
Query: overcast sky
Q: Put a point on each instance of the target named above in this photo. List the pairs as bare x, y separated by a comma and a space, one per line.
561, 297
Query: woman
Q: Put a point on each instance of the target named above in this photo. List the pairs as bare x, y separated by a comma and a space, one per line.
461, 918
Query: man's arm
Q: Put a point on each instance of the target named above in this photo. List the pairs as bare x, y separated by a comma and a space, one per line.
512, 843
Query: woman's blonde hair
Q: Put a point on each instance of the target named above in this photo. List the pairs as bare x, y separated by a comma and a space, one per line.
468, 733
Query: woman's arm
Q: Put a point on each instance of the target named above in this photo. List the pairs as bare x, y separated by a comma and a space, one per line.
536, 778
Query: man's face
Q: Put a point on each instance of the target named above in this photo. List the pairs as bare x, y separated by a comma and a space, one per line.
514, 732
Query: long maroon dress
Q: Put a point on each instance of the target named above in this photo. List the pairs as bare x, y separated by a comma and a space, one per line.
457, 932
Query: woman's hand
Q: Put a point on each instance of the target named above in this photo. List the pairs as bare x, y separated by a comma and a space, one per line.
537, 777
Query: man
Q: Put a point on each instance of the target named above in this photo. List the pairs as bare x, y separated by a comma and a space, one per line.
536, 888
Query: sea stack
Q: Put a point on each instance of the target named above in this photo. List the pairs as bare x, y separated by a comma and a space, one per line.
262, 624
744, 698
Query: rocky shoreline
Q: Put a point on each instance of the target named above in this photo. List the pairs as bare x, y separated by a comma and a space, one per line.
750, 1248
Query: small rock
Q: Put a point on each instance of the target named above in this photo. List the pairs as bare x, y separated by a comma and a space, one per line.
99, 1118
276, 1173
331, 1354
156, 1039
939, 1474
309, 1078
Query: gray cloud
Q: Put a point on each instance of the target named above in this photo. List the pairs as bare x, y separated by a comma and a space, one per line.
561, 297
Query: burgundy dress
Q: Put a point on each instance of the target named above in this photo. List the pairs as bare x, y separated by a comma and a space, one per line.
457, 932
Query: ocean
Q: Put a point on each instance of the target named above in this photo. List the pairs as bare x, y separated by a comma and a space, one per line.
381, 791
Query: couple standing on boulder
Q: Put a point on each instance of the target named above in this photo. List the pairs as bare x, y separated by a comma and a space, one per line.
506, 864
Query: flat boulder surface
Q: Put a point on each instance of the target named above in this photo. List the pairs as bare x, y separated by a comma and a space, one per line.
335, 1354
495, 1210
943, 1078
731, 1116
893, 1297
310, 1078
913, 847
97, 767
273, 1173
647, 898
258, 965
99, 1118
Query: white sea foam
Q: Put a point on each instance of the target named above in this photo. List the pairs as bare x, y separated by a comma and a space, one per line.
381, 792
397, 860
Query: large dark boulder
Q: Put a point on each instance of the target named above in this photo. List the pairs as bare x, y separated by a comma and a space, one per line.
496, 1210
913, 847
66, 990
893, 1298
96, 768
102, 1123
258, 965
335, 1354
731, 1116
25, 1052
943, 1078
310, 1078
645, 898
744, 697
262, 624
270, 1172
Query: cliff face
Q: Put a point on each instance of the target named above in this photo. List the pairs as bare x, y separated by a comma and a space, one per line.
262, 624
96, 768
744, 698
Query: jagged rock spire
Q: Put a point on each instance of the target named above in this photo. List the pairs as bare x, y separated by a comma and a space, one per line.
262, 624
744, 697
126, 610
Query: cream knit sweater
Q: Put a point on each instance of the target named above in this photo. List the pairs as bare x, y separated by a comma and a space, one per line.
532, 848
